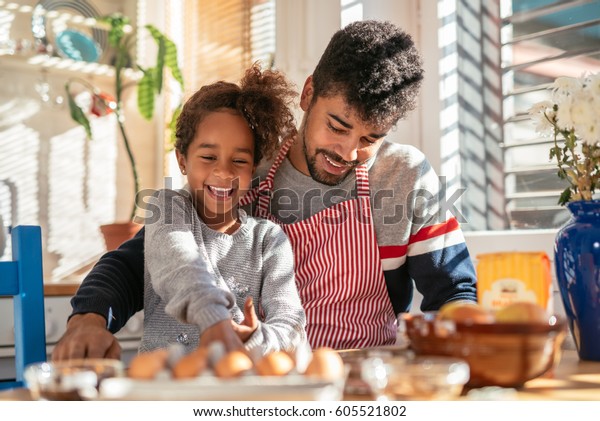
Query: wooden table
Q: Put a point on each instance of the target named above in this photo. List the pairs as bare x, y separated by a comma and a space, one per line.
572, 379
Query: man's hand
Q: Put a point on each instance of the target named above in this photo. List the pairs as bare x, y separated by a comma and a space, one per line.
250, 323
86, 337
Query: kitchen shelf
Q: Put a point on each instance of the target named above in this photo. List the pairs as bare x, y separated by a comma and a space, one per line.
32, 28
63, 67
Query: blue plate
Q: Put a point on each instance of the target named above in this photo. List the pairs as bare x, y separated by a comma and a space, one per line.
77, 46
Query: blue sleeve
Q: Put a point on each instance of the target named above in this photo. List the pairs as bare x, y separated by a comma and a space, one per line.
443, 275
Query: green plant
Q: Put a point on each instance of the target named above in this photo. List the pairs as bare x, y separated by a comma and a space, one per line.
148, 86
572, 116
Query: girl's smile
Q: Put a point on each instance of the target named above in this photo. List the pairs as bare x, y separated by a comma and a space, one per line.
219, 165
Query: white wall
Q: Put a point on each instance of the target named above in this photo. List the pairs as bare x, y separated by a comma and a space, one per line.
405, 14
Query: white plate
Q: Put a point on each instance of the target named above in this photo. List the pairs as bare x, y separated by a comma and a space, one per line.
251, 388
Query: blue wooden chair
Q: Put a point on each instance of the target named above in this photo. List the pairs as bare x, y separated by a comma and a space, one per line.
22, 278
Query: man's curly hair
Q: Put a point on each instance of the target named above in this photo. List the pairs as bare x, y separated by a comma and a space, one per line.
263, 98
375, 66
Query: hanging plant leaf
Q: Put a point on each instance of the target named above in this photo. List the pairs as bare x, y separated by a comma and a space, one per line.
145, 94
170, 53
171, 62
160, 56
160, 64
77, 114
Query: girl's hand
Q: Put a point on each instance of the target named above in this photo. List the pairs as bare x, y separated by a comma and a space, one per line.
224, 333
250, 323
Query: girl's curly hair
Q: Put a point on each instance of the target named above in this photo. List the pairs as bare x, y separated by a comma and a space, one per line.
375, 66
263, 98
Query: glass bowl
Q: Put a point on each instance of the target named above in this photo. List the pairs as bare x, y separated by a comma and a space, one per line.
499, 354
355, 384
77, 379
415, 378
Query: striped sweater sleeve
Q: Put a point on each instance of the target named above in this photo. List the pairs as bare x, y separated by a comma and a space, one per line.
429, 248
438, 262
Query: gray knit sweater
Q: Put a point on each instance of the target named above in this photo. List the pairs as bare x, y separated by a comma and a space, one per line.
195, 277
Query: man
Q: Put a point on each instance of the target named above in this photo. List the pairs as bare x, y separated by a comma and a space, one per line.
363, 215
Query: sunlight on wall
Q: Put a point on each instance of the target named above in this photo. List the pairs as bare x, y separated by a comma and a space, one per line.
352, 11
81, 196
19, 145
51, 176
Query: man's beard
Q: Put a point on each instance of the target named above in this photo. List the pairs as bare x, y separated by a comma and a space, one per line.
324, 177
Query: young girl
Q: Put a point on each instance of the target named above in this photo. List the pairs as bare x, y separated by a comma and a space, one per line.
209, 264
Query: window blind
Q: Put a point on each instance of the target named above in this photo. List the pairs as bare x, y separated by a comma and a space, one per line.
224, 37
540, 40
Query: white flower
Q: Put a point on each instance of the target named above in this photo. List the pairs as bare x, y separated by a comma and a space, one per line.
542, 113
564, 114
565, 87
593, 85
583, 117
577, 101
589, 133
540, 108
576, 122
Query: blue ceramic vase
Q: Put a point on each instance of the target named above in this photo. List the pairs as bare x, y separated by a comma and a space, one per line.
577, 261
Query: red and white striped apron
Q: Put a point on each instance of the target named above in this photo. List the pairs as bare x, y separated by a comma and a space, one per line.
338, 268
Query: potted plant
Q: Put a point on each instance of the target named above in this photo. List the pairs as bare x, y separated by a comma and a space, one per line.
122, 40
573, 117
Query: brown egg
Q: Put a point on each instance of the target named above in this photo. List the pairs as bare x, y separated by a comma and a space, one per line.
522, 312
275, 364
325, 364
233, 364
465, 311
148, 364
191, 365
